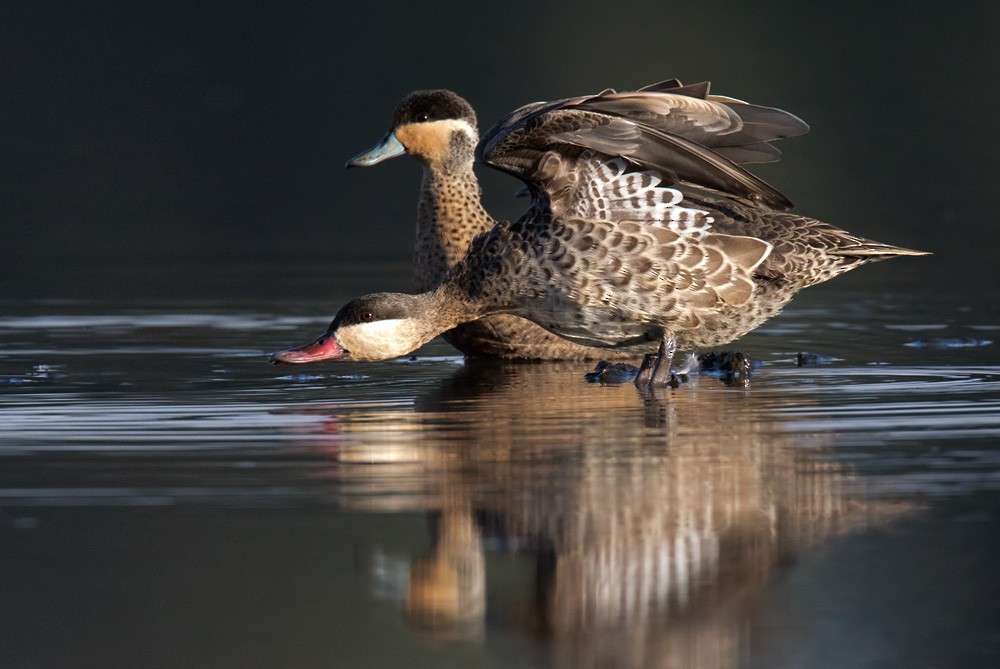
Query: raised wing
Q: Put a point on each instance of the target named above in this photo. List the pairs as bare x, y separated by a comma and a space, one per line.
593, 187
683, 133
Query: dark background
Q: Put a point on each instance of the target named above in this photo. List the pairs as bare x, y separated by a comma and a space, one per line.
214, 133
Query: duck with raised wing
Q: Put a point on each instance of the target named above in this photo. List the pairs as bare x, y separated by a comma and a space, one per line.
439, 129
612, 254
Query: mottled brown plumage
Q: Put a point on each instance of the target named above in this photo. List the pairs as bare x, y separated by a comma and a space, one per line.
623, 282
613, 283
450, 214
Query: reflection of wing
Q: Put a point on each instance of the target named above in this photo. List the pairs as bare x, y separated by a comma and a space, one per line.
640, 529
684, 134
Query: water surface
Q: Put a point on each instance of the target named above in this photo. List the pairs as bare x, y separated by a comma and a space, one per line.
169, 499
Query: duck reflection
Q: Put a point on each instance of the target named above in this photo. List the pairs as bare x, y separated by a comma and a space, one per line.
446, 591
646, 525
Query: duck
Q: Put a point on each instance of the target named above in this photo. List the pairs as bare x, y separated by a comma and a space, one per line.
439, 129
636, 239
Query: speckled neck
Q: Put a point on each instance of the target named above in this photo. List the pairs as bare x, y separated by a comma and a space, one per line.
449, 215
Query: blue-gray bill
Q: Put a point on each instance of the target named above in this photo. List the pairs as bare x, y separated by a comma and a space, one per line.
389, 147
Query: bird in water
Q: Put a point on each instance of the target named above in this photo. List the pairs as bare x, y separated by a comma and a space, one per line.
438, 128
636, 239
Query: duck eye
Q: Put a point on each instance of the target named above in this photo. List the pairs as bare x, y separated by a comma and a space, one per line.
367, 316
423, 117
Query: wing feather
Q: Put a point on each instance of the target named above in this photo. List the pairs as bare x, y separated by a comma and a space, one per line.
689, 137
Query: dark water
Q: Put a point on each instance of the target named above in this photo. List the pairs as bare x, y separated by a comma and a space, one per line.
169, 499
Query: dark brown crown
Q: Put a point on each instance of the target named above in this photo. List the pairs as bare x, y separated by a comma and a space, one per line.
432, 105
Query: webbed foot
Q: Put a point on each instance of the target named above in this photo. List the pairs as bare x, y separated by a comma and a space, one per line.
733, 367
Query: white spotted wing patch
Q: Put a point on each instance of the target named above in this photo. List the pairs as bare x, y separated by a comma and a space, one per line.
607, 191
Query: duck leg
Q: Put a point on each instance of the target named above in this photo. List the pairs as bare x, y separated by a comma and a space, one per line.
645, 370
655, 369
664, 360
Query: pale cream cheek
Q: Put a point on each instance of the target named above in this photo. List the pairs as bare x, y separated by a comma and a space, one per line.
380, 340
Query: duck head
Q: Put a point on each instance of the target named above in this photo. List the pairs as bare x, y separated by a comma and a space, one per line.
379, 326
437, 127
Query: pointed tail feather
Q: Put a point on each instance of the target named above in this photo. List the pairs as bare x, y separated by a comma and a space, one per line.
875, 250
